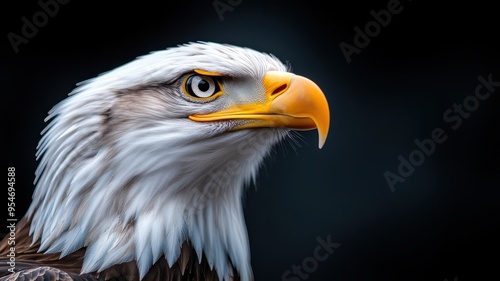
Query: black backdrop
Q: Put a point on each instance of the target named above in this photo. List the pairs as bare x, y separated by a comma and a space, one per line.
440, 223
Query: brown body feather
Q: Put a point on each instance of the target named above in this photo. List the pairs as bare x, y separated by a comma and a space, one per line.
31, 265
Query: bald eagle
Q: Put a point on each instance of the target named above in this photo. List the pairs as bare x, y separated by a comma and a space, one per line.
142, 169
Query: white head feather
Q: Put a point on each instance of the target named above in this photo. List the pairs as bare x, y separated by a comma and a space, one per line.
126, 174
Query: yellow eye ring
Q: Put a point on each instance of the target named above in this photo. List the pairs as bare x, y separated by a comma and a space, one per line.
202, 87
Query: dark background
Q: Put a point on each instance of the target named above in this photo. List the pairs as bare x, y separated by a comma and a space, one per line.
440, 223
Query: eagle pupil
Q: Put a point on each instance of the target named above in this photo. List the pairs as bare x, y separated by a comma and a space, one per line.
203, 85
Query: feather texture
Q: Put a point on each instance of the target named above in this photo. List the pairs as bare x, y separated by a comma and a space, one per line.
127, 185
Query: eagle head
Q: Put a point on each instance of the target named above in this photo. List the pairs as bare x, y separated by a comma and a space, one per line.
155, 153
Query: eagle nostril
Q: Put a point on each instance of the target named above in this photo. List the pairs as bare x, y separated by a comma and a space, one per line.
279, 89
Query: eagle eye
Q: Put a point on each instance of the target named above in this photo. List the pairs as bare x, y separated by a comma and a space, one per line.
201, 86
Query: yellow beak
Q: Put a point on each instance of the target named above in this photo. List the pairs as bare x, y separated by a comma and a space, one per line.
292, 101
